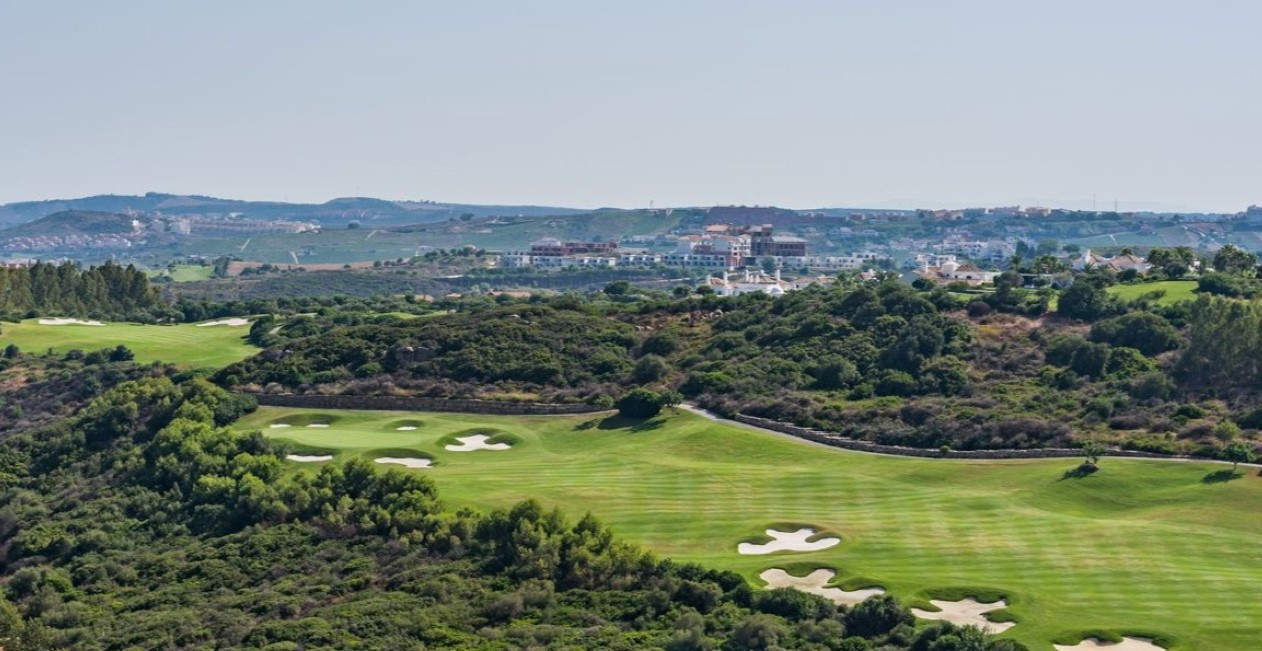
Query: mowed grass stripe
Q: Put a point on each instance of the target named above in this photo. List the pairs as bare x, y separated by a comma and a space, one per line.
1141, 546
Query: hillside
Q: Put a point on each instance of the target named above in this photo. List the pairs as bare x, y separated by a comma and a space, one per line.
334, 212
74, 222
885, 364
141, 523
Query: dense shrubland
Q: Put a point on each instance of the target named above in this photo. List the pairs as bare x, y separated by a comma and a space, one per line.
883, 362
141, 523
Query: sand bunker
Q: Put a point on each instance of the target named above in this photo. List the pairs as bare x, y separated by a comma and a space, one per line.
406, 462
279, 425
476, 442
791, 541
968, 612
318, 425
69, 322
406, 428
1127, 644
227, 322
309, 458
814, 583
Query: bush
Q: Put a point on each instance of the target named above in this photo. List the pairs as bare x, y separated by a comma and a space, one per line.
650, 368
1151, 386
877, 616
663, 342
895, 383
1146, 332
978, 309
641, 403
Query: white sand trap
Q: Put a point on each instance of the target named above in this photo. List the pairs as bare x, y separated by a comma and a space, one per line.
476, 442
968, 612
406, 462
227, 322
318, 425
814, 583
309, 458
406, 428
279, 425
792, 541
69, 322
1127, 644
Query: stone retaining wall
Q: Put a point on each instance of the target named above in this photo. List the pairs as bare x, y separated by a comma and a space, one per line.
829, 438
419, 403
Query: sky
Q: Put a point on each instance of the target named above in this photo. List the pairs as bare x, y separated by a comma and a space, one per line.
884, 103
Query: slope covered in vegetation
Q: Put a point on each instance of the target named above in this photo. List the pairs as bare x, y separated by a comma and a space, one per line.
885, 363
141, 523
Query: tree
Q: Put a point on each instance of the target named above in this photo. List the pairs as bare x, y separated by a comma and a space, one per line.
121, 353
877, 616
640, 403
1239, 452
1093, 450
650, 368
1085, 300
1235, 260
1149, 333
11, 351
617, 288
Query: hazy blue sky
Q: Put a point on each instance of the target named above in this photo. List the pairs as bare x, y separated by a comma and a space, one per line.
604, 102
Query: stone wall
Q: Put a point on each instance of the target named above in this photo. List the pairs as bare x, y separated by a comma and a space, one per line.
829, 438
418, 403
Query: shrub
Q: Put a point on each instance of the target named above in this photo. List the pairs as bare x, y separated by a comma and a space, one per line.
895, 383
640, 403
663, 342
877, 616
977, 309
1146, 332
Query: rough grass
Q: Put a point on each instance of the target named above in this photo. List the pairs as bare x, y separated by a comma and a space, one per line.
1139, 547
1176, 291
184, 344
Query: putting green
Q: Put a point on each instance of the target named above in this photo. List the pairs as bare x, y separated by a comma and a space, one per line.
185, 344
1142, 548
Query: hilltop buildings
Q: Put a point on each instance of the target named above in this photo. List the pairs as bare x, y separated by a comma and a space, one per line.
717, 246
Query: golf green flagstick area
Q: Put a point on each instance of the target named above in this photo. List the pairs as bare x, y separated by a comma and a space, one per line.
185, 344
1150, 549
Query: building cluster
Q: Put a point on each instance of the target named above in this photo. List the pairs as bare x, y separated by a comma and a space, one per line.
717, 246
189, 224
758, 281
72, 241
999, 212
946, 269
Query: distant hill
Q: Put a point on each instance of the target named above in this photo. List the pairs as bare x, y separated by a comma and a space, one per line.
74, 222
333, 213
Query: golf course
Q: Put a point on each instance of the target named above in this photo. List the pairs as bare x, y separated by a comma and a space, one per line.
209, 345
1161, 550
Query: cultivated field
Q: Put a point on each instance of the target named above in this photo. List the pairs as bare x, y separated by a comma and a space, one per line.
186, 344
1176, 291
1146, 548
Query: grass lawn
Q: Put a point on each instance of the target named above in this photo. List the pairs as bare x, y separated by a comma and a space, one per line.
190, 272
185, 344
1176, 291
1141, 548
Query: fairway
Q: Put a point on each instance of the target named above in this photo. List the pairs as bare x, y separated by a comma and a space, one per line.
185, 344
188, 273
1176, 291
1142, 548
